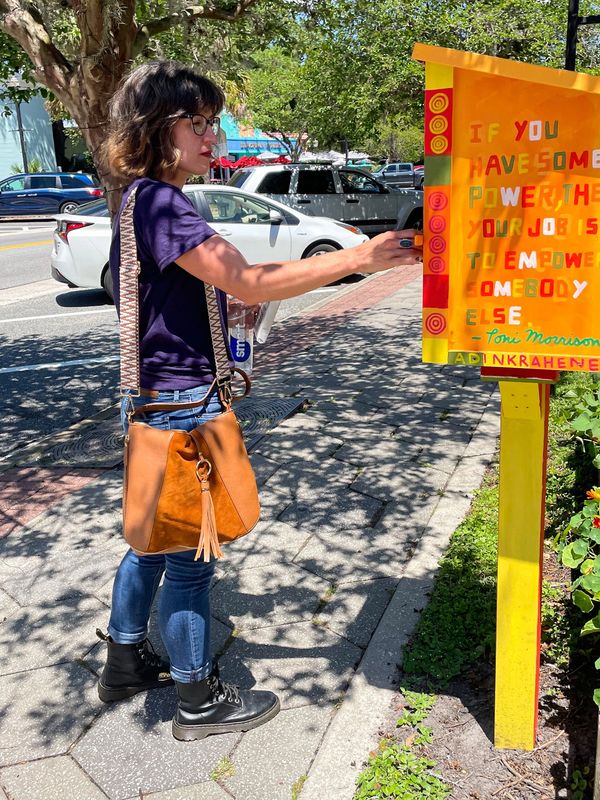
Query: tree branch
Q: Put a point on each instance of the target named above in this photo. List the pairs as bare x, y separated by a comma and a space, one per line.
26, 26
190, 14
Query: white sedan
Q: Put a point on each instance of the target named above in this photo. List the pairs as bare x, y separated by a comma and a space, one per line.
262, 230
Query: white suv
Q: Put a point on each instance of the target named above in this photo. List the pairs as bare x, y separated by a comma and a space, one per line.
343, 193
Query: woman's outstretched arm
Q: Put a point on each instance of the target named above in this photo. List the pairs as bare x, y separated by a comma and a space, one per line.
218, 262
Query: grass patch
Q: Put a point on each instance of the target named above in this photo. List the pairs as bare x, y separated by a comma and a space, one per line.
297, 786
224, 769
457, 628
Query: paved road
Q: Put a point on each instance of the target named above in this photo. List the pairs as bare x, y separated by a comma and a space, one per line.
24, 252
59, 346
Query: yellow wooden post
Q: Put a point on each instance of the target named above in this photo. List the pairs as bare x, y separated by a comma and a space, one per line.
523, 447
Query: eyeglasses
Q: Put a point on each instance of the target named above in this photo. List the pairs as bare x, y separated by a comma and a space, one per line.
199, 126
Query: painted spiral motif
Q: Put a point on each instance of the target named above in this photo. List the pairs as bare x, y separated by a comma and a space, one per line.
438, 144
438, 124
437, 244
438, 103
436, 264
435, 324
437, 224
437, 201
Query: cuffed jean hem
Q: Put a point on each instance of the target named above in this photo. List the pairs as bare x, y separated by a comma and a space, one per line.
125, 638
191, 676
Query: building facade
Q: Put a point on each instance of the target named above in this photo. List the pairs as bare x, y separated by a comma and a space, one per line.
26, 135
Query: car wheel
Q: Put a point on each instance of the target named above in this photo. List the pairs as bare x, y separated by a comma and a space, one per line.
68, 207
415, 218
107, 283
320, 249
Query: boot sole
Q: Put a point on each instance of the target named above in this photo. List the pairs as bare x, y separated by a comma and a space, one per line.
190, 733
108, 695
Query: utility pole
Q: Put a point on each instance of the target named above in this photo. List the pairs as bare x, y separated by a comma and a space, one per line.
574, 21
21, 136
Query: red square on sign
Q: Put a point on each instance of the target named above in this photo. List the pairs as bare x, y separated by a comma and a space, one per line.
435, 291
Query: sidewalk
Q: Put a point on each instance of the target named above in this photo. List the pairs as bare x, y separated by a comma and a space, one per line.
360, 494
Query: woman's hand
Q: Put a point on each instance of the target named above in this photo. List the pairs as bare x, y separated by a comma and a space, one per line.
391, 249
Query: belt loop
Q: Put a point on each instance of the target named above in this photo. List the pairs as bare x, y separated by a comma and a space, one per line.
176, 395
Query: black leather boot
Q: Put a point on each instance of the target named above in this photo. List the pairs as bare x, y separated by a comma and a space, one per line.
212, 706
129, 669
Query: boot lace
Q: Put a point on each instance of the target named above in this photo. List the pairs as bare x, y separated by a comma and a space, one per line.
221, 690
148, 654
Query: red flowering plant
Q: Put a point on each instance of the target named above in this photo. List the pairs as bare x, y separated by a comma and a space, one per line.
582, 553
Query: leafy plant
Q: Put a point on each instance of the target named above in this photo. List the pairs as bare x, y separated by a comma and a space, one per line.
35, 165
398, 773
579, 543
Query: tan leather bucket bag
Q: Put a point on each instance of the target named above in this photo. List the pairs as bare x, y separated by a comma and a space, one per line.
182, 490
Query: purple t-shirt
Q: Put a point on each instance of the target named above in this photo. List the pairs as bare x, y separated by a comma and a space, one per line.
175, 343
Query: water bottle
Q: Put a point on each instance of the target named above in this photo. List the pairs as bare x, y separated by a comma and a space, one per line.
265, 319
240, 319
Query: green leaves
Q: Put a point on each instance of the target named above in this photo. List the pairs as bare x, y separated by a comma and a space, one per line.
397, 773
591, 626
582, 601
574, 553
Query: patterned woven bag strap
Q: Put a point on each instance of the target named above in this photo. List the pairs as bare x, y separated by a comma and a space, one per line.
129, 327
222, 365
129, 271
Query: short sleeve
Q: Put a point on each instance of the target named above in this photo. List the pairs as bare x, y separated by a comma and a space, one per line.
167, 224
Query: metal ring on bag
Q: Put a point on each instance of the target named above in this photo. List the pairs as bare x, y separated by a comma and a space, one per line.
207, 467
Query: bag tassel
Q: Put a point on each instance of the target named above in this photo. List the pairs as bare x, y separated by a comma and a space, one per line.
209, 538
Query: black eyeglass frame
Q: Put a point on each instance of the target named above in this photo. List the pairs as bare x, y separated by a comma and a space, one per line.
214, 122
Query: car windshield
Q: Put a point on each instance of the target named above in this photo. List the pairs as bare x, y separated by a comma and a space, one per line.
97, 208
239, 178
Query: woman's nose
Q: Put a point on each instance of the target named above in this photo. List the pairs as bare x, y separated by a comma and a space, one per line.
210, 135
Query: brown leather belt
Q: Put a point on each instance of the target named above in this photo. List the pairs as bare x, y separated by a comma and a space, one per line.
149, 393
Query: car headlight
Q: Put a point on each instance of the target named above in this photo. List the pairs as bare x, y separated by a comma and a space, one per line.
350, 228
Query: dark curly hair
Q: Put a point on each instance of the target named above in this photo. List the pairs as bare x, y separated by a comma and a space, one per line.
143, 112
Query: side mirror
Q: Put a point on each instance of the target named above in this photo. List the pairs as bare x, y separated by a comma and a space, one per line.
275, 216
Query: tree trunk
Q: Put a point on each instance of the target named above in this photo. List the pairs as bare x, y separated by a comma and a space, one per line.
88, 105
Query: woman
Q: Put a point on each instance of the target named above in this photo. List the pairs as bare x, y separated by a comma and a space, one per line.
163, 126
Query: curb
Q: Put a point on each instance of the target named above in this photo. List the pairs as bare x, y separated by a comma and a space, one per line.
353, 730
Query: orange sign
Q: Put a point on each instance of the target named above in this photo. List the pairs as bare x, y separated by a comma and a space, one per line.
512, 214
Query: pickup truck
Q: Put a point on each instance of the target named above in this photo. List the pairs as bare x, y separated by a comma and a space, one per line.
342, 193
400, 174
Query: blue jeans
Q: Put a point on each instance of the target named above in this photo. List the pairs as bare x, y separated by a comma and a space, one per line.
184, 605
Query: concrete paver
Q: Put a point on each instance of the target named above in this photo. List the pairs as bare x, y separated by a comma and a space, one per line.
354, 610
333, 510
34, 637
44, 580
45, 711
270, 760
7, 605
303, 663
352, 556
270, 542
197, 791
130, 748
275, 594
49, 779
